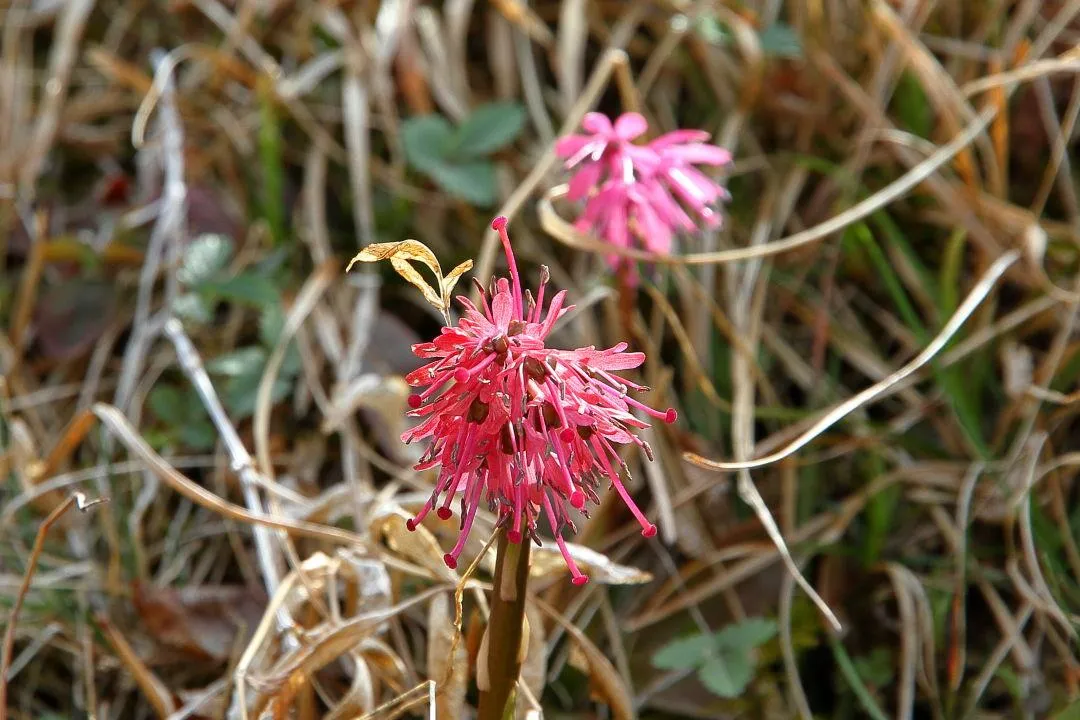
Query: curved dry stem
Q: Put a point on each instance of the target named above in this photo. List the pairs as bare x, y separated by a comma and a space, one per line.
963, 312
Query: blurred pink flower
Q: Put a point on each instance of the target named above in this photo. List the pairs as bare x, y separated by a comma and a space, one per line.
641, 194
528, 430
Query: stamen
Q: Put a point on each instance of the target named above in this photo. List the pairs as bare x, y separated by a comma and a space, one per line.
499, 224
647, 528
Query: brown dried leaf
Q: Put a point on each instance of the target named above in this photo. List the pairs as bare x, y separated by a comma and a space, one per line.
419, 546
548, 561
447, 662
407, 271
403, 250
203, 621
451, 280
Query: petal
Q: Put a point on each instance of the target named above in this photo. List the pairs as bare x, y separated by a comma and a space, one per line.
571, 144
502, 310
630, 125
607, 360
597, 123
679, 137
700, 154
584, 181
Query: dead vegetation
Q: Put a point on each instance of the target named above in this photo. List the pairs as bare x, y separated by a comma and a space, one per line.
878, 349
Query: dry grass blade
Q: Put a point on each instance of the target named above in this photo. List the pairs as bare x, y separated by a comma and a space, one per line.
115, 421
963, 312
78, 500
152, 687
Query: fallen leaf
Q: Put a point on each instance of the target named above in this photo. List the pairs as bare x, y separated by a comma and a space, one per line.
548, 561
72, 316
447, 662
203, 621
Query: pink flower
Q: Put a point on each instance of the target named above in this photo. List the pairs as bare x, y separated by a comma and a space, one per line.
637, 192
528, 430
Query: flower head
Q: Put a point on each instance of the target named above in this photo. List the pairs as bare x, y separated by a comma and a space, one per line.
529, 430
641, 193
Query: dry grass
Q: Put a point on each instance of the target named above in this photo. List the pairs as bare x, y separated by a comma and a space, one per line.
877, 353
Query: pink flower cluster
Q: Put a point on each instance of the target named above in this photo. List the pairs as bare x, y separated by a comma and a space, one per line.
525, 429
649, 192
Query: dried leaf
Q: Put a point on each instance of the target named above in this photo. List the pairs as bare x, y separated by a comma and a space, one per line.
203, 621
418, 546
447, 662
407, 271
403, 250
451, 280
548, 561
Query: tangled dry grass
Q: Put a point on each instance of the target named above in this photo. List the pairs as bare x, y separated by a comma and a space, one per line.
880, 344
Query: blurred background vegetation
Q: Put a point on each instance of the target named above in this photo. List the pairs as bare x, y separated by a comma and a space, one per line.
215, 161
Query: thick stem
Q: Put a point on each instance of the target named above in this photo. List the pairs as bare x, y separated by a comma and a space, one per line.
504, 632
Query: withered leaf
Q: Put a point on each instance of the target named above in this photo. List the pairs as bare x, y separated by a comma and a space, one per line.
402, 250
407, 271
447, 661
548, 561
451, 280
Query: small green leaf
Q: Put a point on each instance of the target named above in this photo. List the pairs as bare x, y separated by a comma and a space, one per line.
205, 257
190, 306
748, 634
781, 40
727, 675
199, 436
490, 128
271, 324
473, 182
247, 288
426, 139
242, 390
167, 402
244, 361
684, 653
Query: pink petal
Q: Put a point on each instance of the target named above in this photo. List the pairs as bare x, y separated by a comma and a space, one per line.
700, 154
584, 181
597, 123
679, 137
616, 361
502, 309
571, 144
630, 125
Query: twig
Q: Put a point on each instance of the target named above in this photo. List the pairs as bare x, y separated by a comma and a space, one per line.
78, 500
239, 458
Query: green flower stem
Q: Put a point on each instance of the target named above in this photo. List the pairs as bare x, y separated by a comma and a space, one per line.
504, 632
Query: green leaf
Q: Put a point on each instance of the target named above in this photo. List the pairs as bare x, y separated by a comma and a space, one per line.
273, 170
473, 182
426, 139
241, 391
271, 324
781, 40
190, 306
244, 361
727, 674
199, 436
247, 288
684, 653
167, 402
205, 257
748, 634
489, 128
